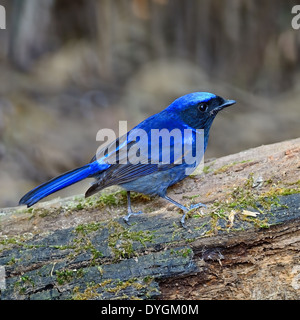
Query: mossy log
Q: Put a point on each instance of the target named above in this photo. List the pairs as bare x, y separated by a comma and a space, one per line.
245, 245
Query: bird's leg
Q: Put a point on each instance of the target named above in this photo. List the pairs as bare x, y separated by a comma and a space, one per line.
130, 212
185, 209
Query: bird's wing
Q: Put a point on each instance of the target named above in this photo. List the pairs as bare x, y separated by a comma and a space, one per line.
136, 157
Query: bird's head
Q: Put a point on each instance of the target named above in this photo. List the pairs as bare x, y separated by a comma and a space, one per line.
199, 109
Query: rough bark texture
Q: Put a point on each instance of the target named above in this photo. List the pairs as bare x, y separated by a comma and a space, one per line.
245, 245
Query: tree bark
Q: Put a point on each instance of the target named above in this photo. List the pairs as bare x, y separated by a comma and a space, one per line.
244, 246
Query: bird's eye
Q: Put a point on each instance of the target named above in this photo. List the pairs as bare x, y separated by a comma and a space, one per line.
202, 107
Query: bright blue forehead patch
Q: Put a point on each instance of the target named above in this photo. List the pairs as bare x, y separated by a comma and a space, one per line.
191, 99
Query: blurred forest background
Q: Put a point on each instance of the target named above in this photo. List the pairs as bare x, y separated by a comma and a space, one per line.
69, 68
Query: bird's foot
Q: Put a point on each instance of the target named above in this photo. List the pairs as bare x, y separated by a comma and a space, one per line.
126, 218
182, 221
197, 205
193, 206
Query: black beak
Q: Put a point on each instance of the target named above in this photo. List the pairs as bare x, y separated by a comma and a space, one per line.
226, 104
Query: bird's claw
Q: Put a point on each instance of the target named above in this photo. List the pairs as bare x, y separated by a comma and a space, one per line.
126, 218
193, 206
198, 205
183, 223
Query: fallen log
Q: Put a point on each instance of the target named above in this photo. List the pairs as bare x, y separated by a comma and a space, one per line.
245, 245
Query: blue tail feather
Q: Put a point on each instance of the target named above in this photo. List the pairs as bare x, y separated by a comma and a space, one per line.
61, 182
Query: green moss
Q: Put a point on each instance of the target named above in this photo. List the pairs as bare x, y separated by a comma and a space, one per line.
67, 275
106, 199
191, 197
23, 284
247, 198
206, 169
90, 293
87, 228
114, 287
64, 276
148, 279
82, 243
17, 241
79, 206
224, 168
228, 166
139, 197
109, 200
42, 212
261, 224
186, 252
282, 191
120, 285
121, 240
113, 199
85, 245
14, 241
202, 226
215, 216
12, 261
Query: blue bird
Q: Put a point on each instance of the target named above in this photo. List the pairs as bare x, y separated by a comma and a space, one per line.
137, 161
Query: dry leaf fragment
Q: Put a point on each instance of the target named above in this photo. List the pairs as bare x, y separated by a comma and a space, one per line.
249, 213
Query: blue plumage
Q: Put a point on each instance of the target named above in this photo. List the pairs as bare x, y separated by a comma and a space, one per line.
137, 162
